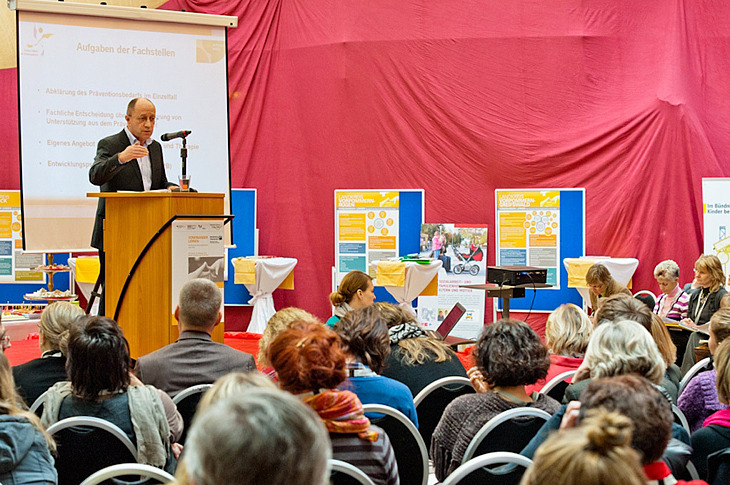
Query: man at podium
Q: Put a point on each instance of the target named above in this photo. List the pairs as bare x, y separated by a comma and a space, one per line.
128, 160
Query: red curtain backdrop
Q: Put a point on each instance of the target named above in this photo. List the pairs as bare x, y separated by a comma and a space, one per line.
627, 99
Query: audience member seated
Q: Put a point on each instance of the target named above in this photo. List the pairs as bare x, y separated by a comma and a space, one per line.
673, 302
279, 321
509, 356
101, 385
725, 301
714, 435
699, 399
367, 345
622, 307
668, 350
598, 452
703, 303
258, 437
310, 363
194, 358
416, 359
354, 292
25, 447
35, 377
602, 285
567, 332
618, 348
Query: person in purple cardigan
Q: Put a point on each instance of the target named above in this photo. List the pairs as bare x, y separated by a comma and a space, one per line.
699, 398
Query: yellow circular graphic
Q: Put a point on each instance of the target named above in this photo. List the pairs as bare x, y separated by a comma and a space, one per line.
20, 217
371, 215
555, 225
371, 229
532, 230
16, 226
527, 224
528, 216
383, 213
384, 231
541, 212
547, 213
389, 221
533, 223
548, 231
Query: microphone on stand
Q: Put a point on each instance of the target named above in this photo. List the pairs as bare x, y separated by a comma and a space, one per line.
177, 134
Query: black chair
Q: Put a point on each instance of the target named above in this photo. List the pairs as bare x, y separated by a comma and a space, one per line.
433, 399
408, 446
343, 473
186, 402
148, 474
86, 445
718, 467
481, 470
556, 387
510, 430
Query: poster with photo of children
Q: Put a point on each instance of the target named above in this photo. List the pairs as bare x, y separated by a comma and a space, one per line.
462, 248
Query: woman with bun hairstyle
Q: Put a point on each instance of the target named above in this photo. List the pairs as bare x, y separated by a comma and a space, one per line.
35, 377
354, 292
311, 363
598, 452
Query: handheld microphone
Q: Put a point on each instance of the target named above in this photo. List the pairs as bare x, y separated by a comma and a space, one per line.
177, 134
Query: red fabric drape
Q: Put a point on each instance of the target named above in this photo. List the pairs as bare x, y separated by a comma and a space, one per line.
627, 99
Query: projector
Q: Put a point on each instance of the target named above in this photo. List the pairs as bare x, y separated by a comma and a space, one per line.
516, 275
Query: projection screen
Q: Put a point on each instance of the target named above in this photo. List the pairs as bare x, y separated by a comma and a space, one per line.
78, 67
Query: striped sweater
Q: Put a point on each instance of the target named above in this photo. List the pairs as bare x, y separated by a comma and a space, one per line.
376, 458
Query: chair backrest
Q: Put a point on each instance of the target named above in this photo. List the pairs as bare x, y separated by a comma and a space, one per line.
150, 473
680, 418
555, 387
700, 366
343, 473
433, 399
479, 470
37, 406
187, 404
718, 467
86, 445
409, 449
645, 292
510, 430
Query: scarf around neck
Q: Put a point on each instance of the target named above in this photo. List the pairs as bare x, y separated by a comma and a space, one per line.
405, 331
343, 308
341, 412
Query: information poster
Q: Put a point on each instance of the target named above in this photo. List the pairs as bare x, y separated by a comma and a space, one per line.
15, 266
528, 230
198, 251
366, 229
463, 252
716, 218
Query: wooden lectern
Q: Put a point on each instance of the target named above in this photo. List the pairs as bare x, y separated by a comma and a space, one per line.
132, 220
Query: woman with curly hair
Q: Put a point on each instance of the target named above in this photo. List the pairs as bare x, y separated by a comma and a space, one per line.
509, 355
416, 359
311, 363
365, 337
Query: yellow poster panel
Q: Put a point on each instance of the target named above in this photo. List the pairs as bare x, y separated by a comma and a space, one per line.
6, 225
526, 199
543, 241
352, 227
355, 200
381, 242
9, 199
512, 230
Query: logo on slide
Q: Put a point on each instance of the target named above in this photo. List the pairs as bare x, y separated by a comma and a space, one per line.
209, 51
35, 47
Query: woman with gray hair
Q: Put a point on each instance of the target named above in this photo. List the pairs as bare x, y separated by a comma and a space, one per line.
262, 436
618, 348
673, 302
35, 377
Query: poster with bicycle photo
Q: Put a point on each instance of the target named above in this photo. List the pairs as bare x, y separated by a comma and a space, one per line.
462, 248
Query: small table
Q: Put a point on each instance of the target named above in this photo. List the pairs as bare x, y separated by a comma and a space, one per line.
418, 277
505, 292
621, 269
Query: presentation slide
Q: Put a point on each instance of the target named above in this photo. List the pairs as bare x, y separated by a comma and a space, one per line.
77, 74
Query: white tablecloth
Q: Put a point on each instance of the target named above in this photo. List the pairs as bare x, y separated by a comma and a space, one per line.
270, 273
622, 270
418, 276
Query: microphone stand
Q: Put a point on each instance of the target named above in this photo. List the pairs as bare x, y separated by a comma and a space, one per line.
184, 155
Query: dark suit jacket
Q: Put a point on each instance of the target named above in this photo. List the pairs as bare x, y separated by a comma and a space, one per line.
111, 176
193, 359
35, 377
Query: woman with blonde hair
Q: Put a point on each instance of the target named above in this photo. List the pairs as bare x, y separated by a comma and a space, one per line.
598, 452
279, 321
703, 303
567, 332
416, 359
602, 284
355, 291
35, 377
25, 447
